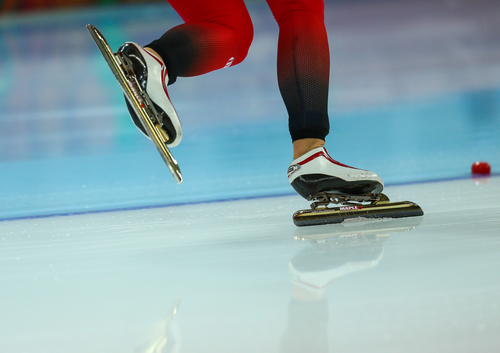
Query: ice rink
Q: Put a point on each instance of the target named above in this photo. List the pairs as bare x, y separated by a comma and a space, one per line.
100, 250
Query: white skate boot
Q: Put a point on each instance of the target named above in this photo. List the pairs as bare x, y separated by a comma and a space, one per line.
316, 172
152, 75
358, 193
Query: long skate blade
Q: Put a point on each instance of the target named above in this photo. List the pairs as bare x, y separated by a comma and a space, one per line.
131, 93
373, 227
356, 212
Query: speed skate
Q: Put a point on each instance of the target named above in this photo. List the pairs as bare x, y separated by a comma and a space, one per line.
353, 208
140, 101
356, 193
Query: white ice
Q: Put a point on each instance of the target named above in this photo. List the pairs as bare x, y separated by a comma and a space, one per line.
242, 280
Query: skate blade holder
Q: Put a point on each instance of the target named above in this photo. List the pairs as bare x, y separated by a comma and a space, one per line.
353, 208
322, 200
142, 98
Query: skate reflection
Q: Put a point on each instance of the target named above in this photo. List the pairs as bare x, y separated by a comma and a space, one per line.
333, 252
168, 338
330, 252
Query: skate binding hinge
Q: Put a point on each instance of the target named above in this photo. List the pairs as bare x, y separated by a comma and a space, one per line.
323, 199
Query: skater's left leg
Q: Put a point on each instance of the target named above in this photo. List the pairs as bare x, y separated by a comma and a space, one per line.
303, 68
303, 76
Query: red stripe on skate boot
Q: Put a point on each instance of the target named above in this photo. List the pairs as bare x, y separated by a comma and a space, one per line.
163, 71
324, 154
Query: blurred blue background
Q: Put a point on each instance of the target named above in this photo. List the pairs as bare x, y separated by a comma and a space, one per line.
415, 96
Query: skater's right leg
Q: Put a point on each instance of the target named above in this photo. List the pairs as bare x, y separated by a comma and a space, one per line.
302, 146
216, 34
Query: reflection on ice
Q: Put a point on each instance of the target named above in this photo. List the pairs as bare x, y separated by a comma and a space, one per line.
334, 251
168, 338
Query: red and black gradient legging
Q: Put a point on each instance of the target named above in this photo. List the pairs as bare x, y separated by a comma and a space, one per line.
218, 34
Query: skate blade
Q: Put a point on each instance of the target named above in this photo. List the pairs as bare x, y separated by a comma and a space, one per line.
372, 228
140, 102
331, 215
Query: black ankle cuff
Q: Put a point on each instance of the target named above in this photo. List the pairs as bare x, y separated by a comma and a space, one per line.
157, 47
315, 133
308, 125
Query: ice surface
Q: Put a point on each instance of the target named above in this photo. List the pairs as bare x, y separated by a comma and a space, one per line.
104, 282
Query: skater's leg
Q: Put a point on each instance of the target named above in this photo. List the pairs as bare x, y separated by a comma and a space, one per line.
303, 75
216, 34
302, 146
303, 66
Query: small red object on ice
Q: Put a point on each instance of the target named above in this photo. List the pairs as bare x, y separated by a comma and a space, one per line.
481, 168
